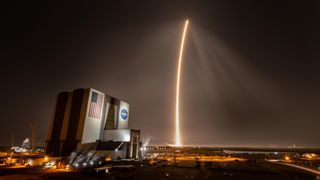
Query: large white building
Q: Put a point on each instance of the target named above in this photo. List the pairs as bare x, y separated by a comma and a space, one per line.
87, 119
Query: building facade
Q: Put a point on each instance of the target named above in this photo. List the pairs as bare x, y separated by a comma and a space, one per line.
87, 119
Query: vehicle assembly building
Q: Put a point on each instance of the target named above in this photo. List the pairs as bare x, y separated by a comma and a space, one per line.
87, 119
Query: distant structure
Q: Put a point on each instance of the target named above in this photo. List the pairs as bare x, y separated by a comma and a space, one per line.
12, 141
34, 130
87, 119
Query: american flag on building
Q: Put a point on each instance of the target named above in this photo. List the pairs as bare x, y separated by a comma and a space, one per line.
95, 105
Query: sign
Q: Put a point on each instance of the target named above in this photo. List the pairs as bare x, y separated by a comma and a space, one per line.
124, 114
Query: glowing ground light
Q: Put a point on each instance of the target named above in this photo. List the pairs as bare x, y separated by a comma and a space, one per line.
178, 138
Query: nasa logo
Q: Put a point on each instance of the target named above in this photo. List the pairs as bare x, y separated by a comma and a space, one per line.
124, 114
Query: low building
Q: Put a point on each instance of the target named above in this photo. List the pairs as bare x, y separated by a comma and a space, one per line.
155, 151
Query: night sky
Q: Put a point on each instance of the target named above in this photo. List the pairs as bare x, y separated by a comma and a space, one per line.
250, 73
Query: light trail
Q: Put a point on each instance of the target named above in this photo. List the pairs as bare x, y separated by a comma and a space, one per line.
178, 138
299, 167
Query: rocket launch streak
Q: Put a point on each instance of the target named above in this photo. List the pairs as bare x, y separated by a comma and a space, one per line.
178, 138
